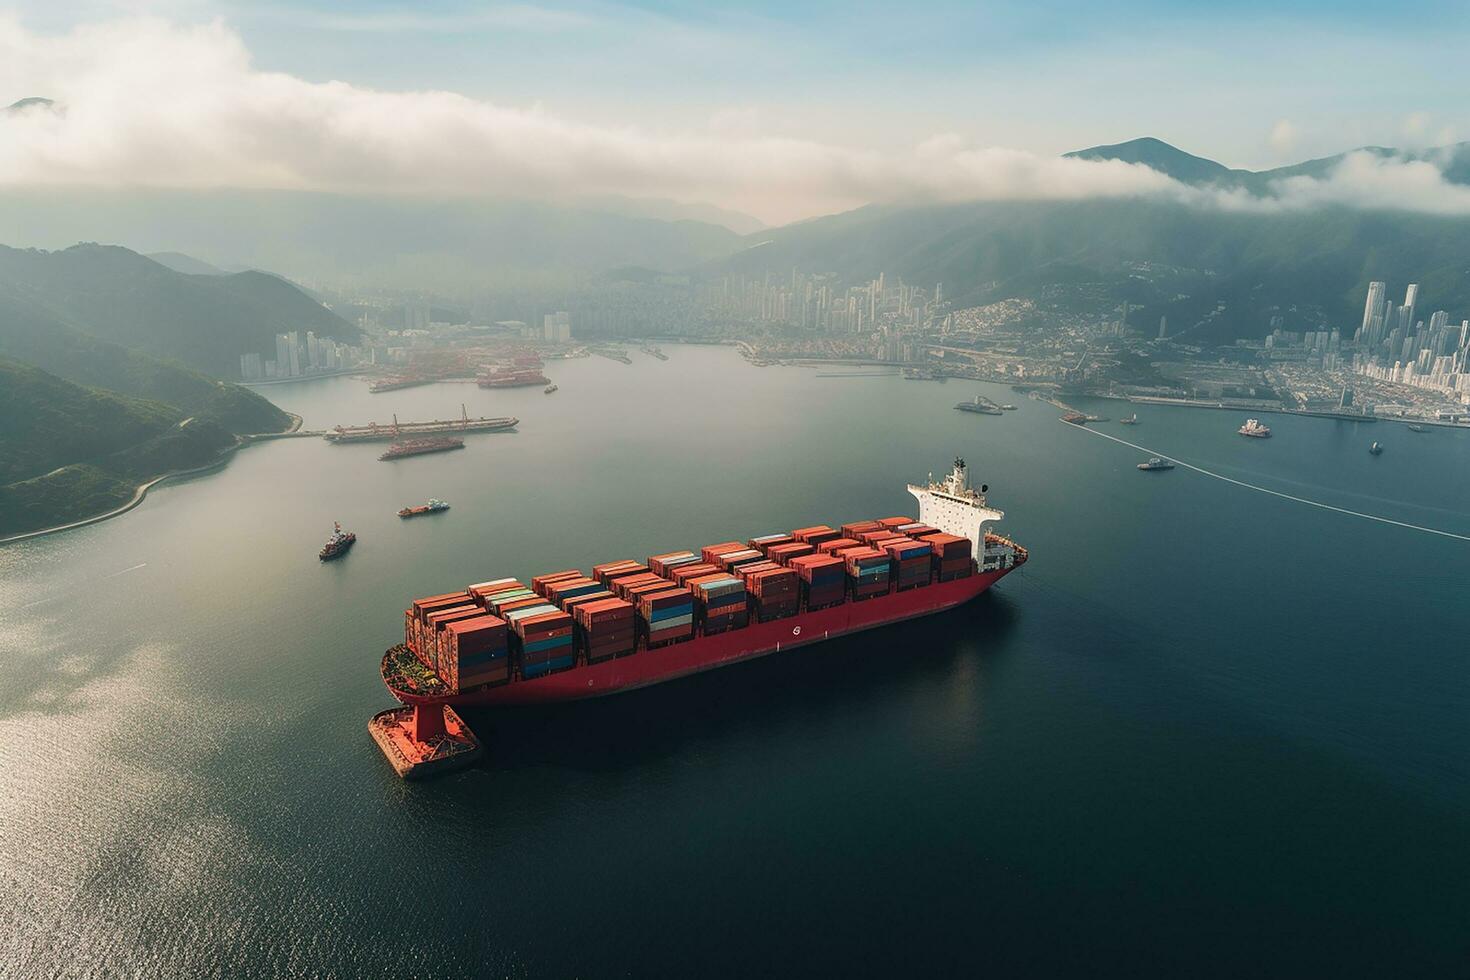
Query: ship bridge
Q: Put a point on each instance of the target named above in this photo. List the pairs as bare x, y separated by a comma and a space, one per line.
955, 507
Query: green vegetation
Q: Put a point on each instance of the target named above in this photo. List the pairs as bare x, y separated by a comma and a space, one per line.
1218, 274
34, 334
68, 452
206, 322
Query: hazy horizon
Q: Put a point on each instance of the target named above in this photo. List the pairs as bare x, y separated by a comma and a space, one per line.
625, 102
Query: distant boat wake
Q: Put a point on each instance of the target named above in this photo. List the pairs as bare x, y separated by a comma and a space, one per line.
1274, 493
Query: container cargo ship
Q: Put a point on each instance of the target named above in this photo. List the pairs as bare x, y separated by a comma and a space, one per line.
630, 624
418, 447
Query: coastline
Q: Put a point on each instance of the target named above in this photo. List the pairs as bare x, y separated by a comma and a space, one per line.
141, 492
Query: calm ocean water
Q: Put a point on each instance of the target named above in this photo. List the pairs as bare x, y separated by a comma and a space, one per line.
1205, 731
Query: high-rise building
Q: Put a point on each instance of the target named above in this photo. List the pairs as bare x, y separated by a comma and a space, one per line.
283, 356
1373, 308
556, 328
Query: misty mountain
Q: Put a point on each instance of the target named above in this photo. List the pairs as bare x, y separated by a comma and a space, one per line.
207, 322
663, 209
455, 246
187, 264
1169, 160
38, 336
1453, 161
1312, 266
1165, 259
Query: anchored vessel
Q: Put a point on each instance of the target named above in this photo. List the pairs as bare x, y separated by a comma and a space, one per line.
418, 447
549, 389
1416, 427
1156, 463
337, 544
1255, 429
1375, 449
1130, 420
981, 406
432, 507
394, 384
373, 432
632, 623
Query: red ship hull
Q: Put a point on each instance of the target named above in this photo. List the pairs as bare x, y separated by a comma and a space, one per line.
703, 653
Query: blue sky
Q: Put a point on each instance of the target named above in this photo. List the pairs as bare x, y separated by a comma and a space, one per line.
1048, 76
833, 102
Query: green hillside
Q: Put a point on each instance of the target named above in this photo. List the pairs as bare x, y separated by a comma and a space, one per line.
69, 451
1253, 263
31, 333
206, 322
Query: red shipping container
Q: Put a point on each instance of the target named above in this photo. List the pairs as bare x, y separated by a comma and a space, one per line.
857, 527
712, 551
783, 553
895, 522
767, 541
684, 574
539, 583
658, 563
836, 544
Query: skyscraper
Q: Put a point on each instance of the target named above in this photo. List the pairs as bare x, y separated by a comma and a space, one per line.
1374, 307
556, 328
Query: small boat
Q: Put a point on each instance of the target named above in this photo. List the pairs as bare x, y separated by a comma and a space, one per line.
1255, 429
1156, 463
434, 506
549, 389
1008, 408
1375, 449
337, 544
1130, 420
1416, 427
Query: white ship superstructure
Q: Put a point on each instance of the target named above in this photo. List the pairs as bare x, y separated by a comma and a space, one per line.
955, 507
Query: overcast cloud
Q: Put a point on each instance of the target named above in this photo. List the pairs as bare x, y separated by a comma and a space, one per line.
149, 103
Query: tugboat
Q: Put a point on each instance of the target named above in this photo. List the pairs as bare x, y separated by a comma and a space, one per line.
1156, 463
1130, 420
434, 506
337, 544
1254, 429
1374, 449
548, 389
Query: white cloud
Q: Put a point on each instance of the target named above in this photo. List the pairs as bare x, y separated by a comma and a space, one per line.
149, 103
1284, 136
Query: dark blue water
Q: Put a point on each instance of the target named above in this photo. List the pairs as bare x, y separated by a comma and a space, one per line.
1205, 731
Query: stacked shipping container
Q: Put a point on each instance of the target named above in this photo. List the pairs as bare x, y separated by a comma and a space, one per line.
486, 633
